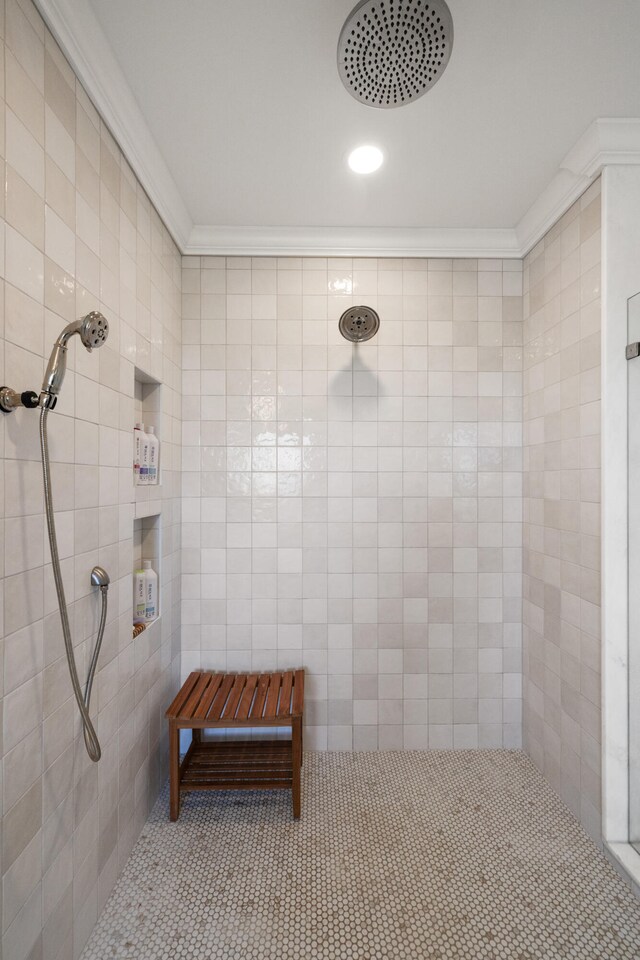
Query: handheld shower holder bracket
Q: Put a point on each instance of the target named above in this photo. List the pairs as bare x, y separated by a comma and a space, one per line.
48, 400
10, 399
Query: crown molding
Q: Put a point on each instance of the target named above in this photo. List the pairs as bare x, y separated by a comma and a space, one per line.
351, 242
77, 30
606, 141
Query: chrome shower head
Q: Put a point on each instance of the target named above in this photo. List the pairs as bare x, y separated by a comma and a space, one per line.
93, 330
390, 52
358, 324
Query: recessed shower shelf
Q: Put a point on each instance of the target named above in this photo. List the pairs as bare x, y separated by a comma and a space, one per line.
147, 410
149, 625
147, 545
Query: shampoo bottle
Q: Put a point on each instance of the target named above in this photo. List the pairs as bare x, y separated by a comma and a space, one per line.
154, 455
139, 596
137, 451
151, 591
144, 456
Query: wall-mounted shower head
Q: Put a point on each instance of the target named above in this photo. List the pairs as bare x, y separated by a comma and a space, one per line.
358, 324
93, 330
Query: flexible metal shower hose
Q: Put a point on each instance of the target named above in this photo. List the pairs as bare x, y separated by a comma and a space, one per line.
90, 735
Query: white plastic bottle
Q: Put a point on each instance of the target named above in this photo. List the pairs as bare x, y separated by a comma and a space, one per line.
139, 596
151, 591
137, 451
154, 455
144, 456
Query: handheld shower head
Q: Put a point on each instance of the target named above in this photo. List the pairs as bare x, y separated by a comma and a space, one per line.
93, 330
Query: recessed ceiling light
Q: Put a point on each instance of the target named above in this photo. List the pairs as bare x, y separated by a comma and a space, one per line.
365, 159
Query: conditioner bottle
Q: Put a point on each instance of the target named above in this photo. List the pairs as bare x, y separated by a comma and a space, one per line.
154, 455
137, 451
139, 596
151, 591
144, 456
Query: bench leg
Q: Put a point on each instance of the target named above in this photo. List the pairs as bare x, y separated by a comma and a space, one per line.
296, 751
174, 770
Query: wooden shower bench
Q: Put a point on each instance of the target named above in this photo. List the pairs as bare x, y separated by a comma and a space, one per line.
211, 701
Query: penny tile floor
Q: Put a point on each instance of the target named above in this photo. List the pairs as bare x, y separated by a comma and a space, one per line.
438, 855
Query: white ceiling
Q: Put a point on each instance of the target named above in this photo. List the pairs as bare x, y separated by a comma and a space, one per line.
233, 117
244, 101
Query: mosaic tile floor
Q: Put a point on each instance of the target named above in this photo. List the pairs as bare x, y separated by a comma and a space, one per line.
465, 855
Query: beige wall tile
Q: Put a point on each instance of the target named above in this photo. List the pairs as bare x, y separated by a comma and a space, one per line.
332, 494
561, 582
80, 235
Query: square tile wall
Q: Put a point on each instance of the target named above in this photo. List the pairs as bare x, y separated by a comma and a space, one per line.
78, 234
354, 509
357, 509
562, 684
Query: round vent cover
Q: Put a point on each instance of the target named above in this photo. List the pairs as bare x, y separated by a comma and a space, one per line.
359, 323
390, 52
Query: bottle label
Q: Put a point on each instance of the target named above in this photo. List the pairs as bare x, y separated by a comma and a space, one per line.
153, 461
139, 602
150, 607
144, 463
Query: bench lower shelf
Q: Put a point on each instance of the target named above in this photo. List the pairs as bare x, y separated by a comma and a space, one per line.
237, 765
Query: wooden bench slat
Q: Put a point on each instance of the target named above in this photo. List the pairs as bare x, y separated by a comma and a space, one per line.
221, 697
222, 751
284, 784
200, 771
273, 693
284, 708
232, 751
207, 699
183, 694
231, 705
298, 693
196, 695
247, 697
259, 758
261, 693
